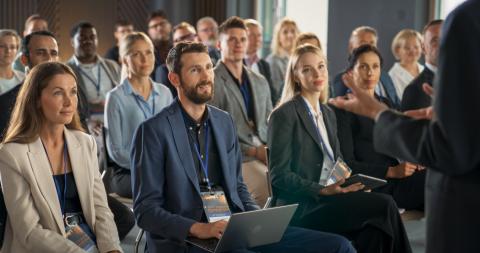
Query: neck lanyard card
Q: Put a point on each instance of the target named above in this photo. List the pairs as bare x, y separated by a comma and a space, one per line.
215, 206
340, 170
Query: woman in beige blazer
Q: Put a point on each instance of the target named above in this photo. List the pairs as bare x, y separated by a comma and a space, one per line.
49, 171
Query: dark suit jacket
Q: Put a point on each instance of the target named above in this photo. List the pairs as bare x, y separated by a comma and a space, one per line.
355, 134
296, 156
450, 143
264, 69
166, 193
414, 97
161, 76
7, 102
339, 88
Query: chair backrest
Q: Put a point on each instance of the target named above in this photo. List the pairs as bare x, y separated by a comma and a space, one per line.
271, 199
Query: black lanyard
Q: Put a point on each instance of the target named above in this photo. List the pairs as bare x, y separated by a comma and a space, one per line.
61, 198
312, 117
204, 163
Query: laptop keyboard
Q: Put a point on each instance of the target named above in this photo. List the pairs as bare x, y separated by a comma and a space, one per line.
208, 244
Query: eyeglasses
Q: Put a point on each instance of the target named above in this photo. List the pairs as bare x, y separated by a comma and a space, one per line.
159, 24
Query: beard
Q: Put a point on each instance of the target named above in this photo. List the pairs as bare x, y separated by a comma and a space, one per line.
196, 97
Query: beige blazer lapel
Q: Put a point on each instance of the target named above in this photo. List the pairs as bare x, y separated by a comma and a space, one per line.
43, 175
77, 155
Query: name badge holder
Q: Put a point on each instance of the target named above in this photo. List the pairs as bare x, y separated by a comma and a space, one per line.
215, 203
73, 229
340, 168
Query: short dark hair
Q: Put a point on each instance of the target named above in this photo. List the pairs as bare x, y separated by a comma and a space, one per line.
430, 24
122, 22
357, 52
232, 22
78, 26
157, 14
175, 54
28, 38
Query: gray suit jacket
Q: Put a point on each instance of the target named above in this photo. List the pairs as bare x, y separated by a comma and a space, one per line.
113, 72
228, 97
34, 222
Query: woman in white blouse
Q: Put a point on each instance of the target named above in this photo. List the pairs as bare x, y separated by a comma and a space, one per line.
407, 49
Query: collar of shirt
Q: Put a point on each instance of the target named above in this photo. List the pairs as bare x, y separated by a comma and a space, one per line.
87, 65
237, 81
190, 123
310, 108
251, 59
431, 67
129, 89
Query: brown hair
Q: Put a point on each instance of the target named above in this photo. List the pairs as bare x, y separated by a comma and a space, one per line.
27, 117
174, 57
302, 37
231, 22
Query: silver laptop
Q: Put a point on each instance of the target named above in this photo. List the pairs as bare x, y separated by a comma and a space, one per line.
250, 229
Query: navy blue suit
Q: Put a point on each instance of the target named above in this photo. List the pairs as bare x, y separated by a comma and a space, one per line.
166, 189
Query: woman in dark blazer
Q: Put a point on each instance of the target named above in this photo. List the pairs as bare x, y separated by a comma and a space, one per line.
297, 161
406, 181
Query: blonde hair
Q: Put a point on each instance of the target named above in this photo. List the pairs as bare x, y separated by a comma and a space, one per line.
275, 46
10, 32
27, 117
292, 88
302, 37
125, 47
185, 25
401, 37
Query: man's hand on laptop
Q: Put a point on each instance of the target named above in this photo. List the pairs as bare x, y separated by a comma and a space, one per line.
208, 230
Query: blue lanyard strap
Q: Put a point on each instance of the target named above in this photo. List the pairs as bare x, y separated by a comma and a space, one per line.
150, 110
204, 163
97, 83
61, 198
312, 117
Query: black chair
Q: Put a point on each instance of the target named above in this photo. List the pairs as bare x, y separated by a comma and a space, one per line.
271, 198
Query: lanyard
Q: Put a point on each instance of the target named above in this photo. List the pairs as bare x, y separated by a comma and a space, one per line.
150, 110
314, 121
61, 198
204, 163
96, 84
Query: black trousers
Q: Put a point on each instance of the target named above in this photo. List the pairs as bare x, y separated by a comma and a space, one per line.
121, 182
409, 192
122, 216
371, 220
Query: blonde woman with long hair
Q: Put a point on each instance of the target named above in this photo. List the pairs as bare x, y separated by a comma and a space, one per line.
55, 198
303, 144
284, 35
135, 100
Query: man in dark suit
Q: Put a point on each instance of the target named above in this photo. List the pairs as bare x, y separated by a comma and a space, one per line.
246, 96
449, 143
360, 36
414, 97
190, 149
